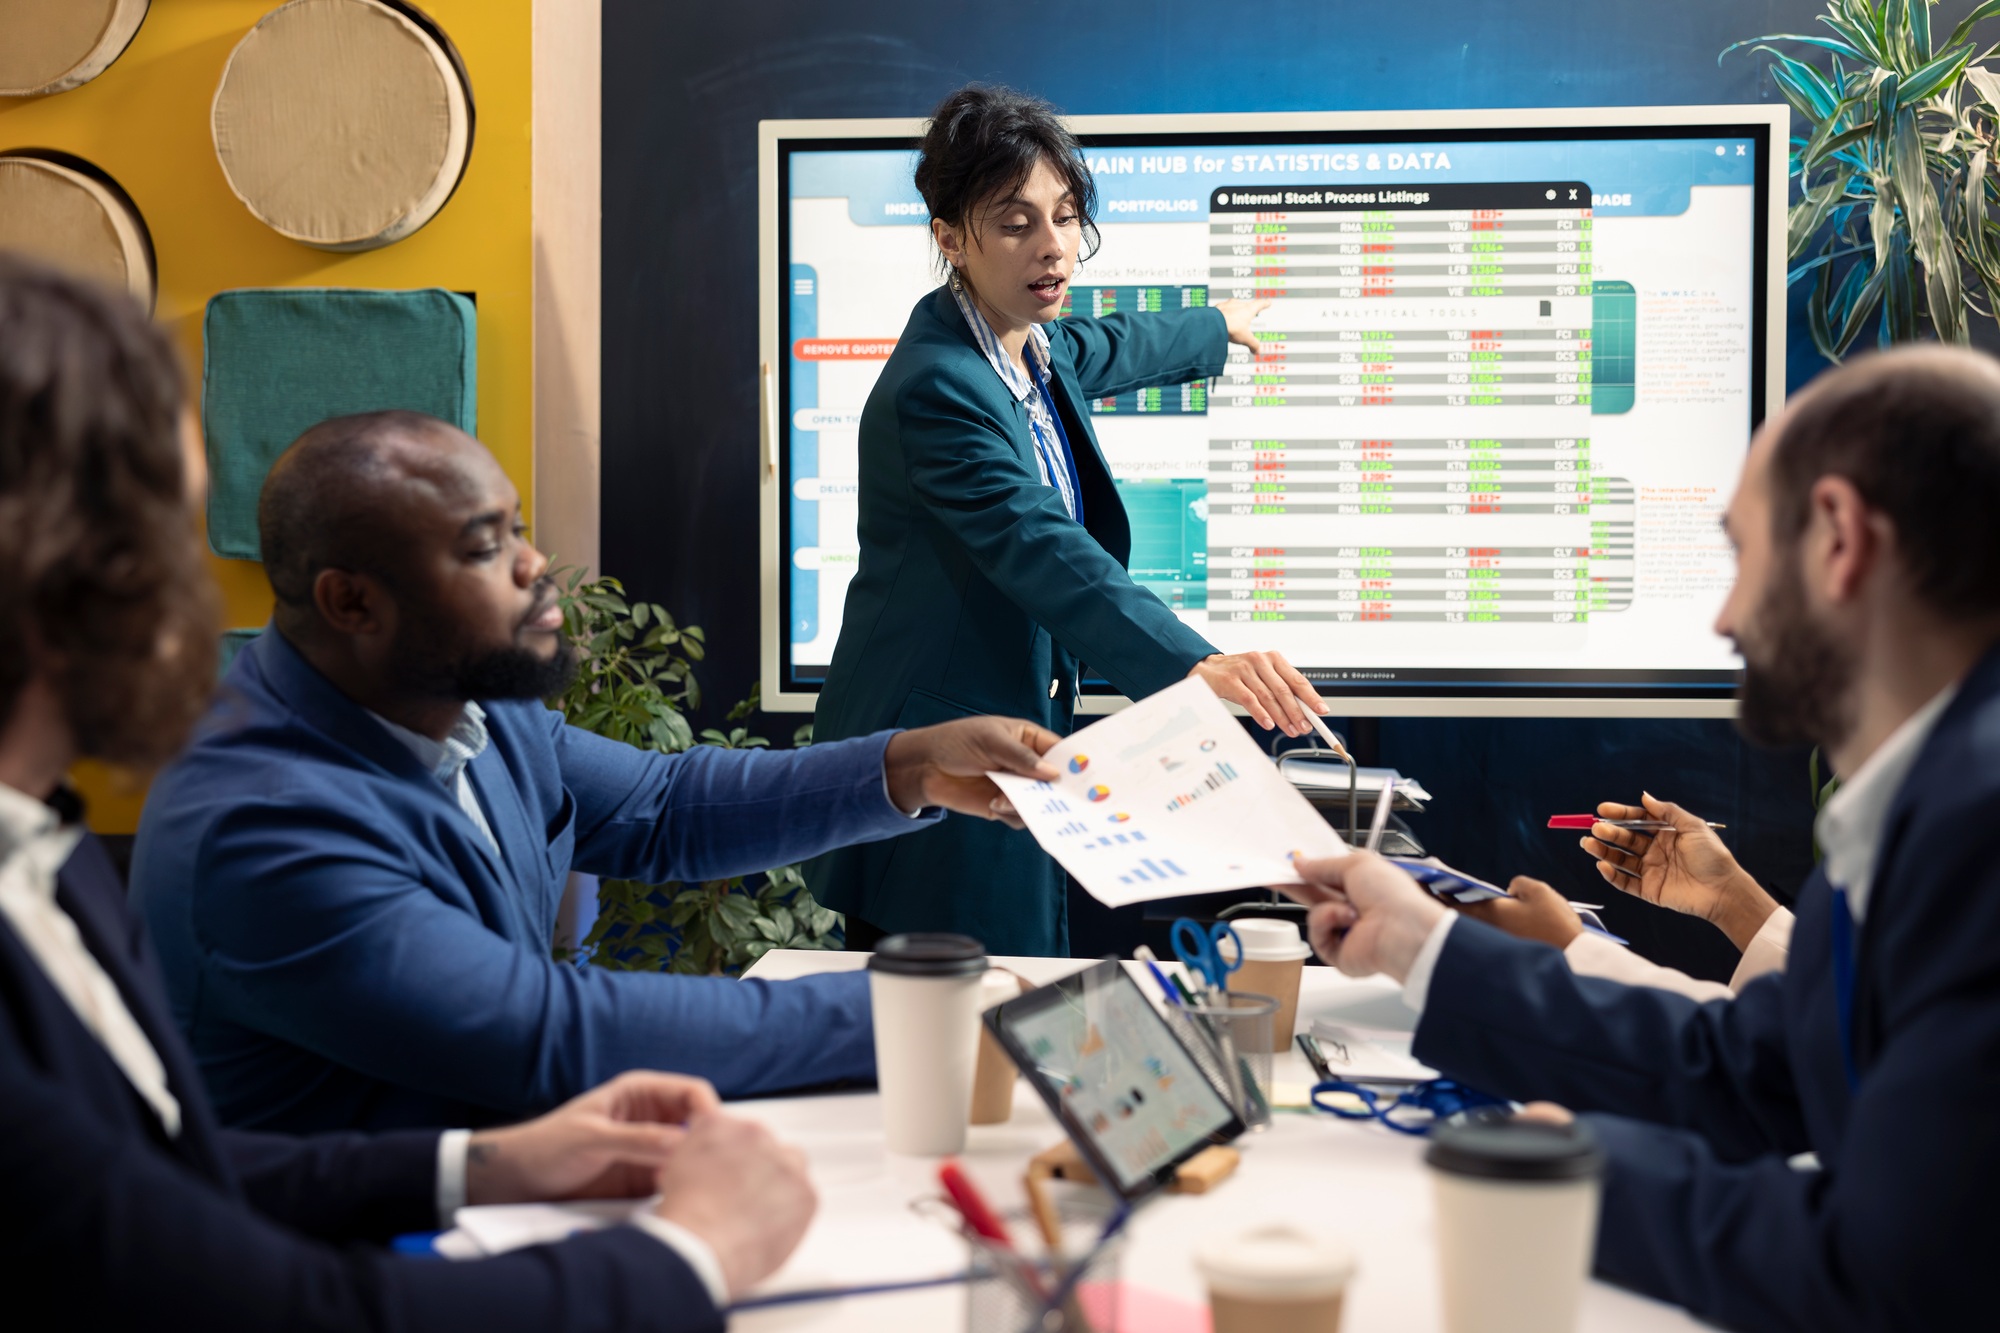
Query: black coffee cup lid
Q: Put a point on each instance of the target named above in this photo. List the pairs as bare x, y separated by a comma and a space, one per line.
1526, 1150
929, 954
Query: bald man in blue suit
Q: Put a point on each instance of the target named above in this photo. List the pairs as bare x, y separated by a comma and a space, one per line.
352, 876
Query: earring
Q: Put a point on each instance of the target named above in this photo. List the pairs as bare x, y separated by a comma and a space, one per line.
956, 285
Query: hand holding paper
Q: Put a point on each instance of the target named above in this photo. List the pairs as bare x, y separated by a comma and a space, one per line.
1168, 798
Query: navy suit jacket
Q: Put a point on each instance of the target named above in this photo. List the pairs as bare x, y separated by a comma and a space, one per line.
977, 593
115, 1225
1706, 1102
345, 950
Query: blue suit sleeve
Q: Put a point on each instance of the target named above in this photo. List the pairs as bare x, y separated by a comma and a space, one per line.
316, 926
1127, 351
1509, 1016
339, 1186
965, 471
117, 1235
711, 813
1882, 1237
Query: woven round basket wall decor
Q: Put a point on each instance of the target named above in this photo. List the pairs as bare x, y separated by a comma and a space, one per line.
343, 124
69, 213
52, 46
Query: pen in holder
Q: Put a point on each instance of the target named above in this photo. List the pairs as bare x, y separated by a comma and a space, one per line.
1231, 1041
1068, 1287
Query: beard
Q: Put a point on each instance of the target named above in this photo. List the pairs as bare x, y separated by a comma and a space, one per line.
1797, 678
514, 673
455, 668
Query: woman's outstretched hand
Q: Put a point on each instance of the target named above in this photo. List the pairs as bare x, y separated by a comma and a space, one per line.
1267, 687
1238, 314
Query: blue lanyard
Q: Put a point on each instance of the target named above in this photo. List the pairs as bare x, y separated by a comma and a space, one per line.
1068, 459
1413, 1110
1841, 927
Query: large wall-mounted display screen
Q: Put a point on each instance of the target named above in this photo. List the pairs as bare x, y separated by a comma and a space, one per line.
1507, 380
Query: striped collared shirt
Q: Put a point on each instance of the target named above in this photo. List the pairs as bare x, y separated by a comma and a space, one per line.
1050, 453
447, 759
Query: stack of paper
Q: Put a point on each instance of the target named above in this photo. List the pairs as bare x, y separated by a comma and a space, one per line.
1319, 775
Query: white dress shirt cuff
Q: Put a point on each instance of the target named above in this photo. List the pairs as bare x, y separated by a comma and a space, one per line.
921, 812
690, 1247
1769, 950
452, 1145
1591, 955
1417, 985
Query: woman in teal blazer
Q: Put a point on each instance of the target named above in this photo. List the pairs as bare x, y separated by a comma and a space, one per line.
993, 541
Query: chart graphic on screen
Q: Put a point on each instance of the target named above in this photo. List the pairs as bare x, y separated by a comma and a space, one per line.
1505, 383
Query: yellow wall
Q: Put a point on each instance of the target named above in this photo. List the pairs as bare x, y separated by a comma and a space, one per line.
145, 121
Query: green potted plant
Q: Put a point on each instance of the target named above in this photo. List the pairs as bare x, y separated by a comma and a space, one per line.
1894, 221
1896, 172
635, 680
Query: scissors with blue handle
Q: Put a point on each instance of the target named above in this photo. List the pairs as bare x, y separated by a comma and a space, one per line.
1200, 951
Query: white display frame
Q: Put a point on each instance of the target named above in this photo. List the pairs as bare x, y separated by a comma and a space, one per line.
771, 363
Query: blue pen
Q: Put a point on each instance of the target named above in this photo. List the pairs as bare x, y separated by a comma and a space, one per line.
1145, 955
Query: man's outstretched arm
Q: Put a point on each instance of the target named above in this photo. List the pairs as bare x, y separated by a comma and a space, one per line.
1510, 1016
317, 927
709, 812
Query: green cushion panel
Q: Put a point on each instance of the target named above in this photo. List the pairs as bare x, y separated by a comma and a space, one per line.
277, 361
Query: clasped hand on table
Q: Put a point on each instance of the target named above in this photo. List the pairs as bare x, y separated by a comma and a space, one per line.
727, 1180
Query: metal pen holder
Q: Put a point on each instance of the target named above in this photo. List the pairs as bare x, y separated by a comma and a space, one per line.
1030, 1290
1232, 1044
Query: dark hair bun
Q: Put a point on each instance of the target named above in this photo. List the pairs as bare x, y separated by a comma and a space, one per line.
982, 144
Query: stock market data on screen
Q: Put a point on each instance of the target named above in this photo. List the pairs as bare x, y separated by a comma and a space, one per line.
1504, 390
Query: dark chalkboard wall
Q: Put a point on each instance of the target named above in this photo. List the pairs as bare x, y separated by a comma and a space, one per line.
684, 87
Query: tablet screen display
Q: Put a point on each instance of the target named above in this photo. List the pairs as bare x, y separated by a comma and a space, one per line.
1121, 1076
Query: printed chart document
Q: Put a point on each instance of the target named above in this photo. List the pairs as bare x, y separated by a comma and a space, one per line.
1166, 798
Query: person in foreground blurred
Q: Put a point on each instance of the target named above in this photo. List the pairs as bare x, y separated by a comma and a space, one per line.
127, 1207
1685, 869
1867, 610
352, 875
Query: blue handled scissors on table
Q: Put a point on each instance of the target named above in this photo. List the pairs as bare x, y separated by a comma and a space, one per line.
1200, 951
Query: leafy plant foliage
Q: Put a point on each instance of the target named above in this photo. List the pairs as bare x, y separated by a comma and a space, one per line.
1894, 221
636, 678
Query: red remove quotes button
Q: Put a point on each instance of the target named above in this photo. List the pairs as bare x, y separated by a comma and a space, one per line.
843, 349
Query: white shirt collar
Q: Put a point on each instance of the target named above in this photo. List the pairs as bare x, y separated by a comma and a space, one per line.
1850, 828
31, 828
989, 343
447, 758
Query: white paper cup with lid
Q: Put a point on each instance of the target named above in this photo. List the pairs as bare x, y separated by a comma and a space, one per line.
1274, 958
925, 992
1516, 1223
1275, 1279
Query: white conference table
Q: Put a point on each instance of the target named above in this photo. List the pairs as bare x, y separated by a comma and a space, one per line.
1357, 1180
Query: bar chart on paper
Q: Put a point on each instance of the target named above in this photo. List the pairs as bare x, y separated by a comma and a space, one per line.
1169, 797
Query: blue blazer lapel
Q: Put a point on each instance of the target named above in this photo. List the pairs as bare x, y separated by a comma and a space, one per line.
1103, 510
945, 318
522, 846
298, 685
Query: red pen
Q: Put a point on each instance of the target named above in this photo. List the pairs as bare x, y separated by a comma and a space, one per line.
1640, 825
979, 1215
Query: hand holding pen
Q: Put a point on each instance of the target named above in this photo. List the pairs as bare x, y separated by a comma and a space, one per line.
1681, 865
